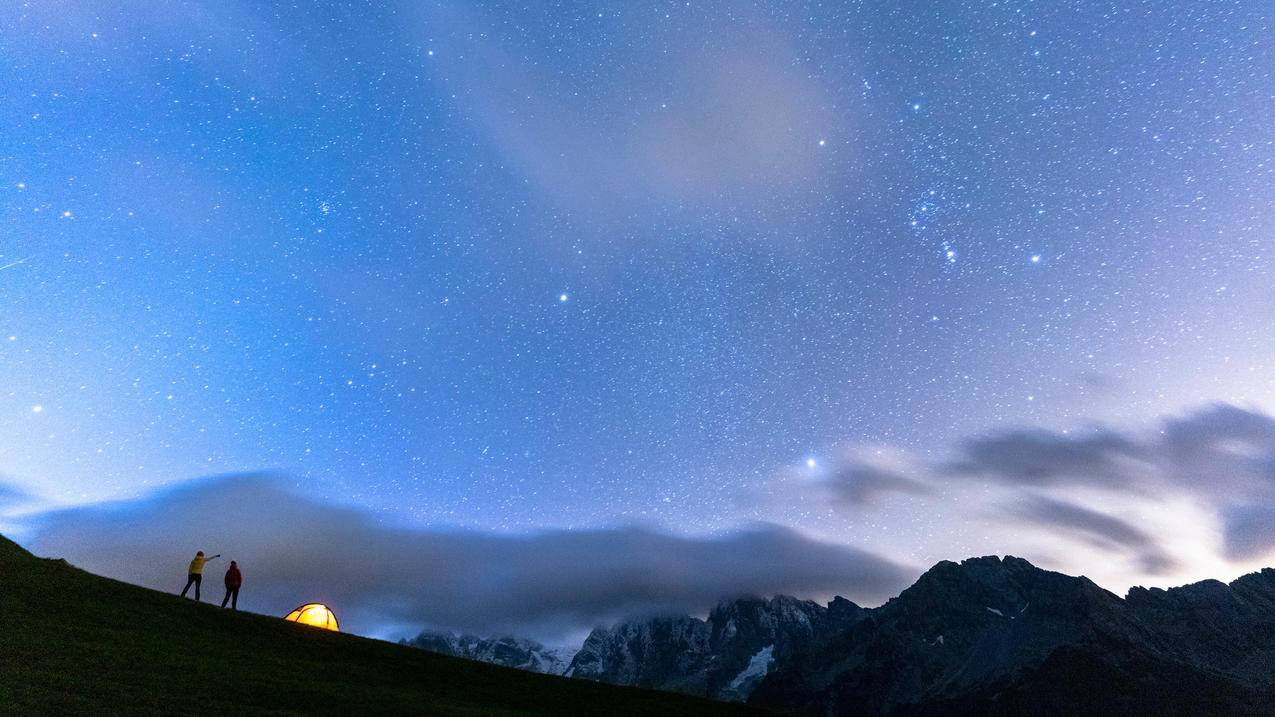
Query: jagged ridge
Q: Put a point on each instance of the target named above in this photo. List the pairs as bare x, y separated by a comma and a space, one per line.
723, 656
506, 651
993, 636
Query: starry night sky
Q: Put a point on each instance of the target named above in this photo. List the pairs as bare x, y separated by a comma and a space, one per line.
508, 267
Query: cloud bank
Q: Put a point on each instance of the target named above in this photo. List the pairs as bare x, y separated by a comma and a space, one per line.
380, 578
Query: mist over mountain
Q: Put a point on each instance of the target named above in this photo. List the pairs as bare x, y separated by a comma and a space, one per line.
544, 584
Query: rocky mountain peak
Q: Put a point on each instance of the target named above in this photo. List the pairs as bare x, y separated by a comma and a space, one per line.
507, 651
722, 656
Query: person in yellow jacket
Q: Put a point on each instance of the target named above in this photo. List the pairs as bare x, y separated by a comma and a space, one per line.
195, 575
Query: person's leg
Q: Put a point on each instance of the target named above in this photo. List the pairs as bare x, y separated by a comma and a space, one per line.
190, 580
198, 580
234, 599
223, 600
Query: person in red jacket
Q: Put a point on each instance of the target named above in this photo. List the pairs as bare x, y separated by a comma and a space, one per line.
234, 579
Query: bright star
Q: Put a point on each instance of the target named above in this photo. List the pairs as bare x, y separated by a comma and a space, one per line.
810, 463
1035, 258
562, 297
37, 408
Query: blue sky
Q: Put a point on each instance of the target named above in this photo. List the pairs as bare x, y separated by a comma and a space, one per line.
518, 268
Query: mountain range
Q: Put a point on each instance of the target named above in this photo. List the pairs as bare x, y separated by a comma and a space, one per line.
986, 636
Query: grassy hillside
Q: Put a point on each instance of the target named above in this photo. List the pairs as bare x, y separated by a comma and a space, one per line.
75, 643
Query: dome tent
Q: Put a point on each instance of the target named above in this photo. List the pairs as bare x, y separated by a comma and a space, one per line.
316, 615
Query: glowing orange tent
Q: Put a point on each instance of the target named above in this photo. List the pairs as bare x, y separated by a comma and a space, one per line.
315, 614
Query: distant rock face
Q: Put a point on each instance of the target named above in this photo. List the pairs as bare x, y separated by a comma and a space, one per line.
725, 656
506, 651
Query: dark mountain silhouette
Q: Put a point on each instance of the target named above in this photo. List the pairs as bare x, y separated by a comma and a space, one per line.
72, 643
986, 636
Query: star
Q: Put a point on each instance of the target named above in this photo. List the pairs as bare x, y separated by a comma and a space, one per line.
749, 302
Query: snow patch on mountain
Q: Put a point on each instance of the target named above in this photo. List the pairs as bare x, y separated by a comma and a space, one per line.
758, 667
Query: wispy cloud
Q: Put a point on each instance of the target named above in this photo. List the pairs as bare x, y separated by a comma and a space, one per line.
1067, 492
1106, 530
731, 122
1222, 455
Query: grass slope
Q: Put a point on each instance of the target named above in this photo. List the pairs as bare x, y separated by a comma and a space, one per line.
75, 643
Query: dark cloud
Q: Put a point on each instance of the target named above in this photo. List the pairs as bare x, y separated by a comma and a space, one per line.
1105, 530
377, 576
857, 483
11, 496
1219, 426
1248, 531
1221, 445
1224, 449
1098, 382
1039, 457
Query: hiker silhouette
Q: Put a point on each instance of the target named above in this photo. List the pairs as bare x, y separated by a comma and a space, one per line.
234, 579
195, 575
